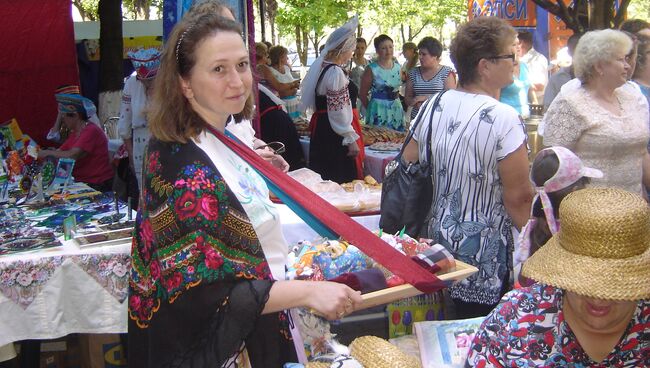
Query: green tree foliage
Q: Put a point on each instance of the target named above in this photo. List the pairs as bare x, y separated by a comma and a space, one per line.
308, 21
87, 8
411, 17
639, 9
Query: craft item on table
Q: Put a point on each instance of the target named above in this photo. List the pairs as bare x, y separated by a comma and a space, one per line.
11, 133
35, 193
325, 259
14, 164
446, 343
109, 219
4, 184
312, 336
366, 281
62, 175
120, 225
104, 238
402, 314
372, 351
21, 245
55, 221
48, 168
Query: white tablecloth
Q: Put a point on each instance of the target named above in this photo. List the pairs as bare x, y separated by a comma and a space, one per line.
52, 293
374, 163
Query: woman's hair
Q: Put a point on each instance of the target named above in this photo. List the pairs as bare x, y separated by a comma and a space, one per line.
361, 39
410, 63
598, 46
171, 117
480, 38
260, 49
642, 58
542, 170
634, 25
276, 53
379, 40
432, 45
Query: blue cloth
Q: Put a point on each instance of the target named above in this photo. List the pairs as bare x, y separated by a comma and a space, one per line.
516, 94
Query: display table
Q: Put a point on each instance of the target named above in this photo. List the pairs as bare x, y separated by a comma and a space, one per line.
374, 163
47, 294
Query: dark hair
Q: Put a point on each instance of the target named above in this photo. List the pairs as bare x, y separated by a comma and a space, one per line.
634, 25
480, 38
432, 45
542, 170
276, 52
171, 117
572, 42
380, 39
268, 44
642, 58
361, 39
525, 37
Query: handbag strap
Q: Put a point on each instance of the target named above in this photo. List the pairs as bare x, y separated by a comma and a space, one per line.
328, 221
436, 102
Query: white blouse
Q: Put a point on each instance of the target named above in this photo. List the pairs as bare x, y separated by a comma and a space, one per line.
334, 85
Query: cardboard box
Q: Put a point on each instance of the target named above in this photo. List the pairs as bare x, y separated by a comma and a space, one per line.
102, 351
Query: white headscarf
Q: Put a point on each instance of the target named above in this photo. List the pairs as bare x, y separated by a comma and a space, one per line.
308, 86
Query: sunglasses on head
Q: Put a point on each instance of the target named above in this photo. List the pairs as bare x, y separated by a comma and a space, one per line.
509, 56
277, 147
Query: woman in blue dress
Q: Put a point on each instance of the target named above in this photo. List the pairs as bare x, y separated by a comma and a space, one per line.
379, 92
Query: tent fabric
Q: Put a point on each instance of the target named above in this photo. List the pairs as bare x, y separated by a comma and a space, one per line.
37, 39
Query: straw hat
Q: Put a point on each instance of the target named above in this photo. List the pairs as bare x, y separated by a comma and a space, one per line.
375, 352
602, 249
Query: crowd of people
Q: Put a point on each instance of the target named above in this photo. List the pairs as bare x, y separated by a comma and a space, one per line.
207, 286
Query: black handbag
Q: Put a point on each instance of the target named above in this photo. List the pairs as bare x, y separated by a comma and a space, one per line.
407, 188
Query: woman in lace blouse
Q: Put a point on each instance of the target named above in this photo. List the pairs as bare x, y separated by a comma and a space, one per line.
604, 124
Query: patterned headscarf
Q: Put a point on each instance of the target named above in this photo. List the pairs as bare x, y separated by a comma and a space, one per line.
70, 100
145, 62
345, 33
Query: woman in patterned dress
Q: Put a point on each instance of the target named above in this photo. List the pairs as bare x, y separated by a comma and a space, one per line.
336, 134
207, 286
591, 305
430, 77
379, 92
480, 164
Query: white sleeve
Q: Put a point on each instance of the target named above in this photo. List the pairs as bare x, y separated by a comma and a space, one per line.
124, 126
511, 128
339, 109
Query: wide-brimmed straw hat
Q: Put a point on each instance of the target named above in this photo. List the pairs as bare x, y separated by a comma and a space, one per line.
602, 249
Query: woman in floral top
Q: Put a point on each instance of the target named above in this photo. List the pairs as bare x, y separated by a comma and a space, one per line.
590, 307
207, 286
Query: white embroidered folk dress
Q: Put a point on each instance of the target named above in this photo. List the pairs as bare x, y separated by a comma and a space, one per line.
614, 144
133, 122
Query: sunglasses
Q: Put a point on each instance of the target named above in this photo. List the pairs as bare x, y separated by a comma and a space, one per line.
509, 56
277, 147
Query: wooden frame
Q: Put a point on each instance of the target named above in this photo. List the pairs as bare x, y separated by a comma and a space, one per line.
375, 298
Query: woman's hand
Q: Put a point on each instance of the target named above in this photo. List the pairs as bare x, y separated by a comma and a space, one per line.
353, 149
333, 300
44, 153
273, 158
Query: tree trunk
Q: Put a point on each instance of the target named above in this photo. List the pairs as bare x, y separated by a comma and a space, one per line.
300, 45
111, 73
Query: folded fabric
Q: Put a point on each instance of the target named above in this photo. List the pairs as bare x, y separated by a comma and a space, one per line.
436, 259
365, 281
